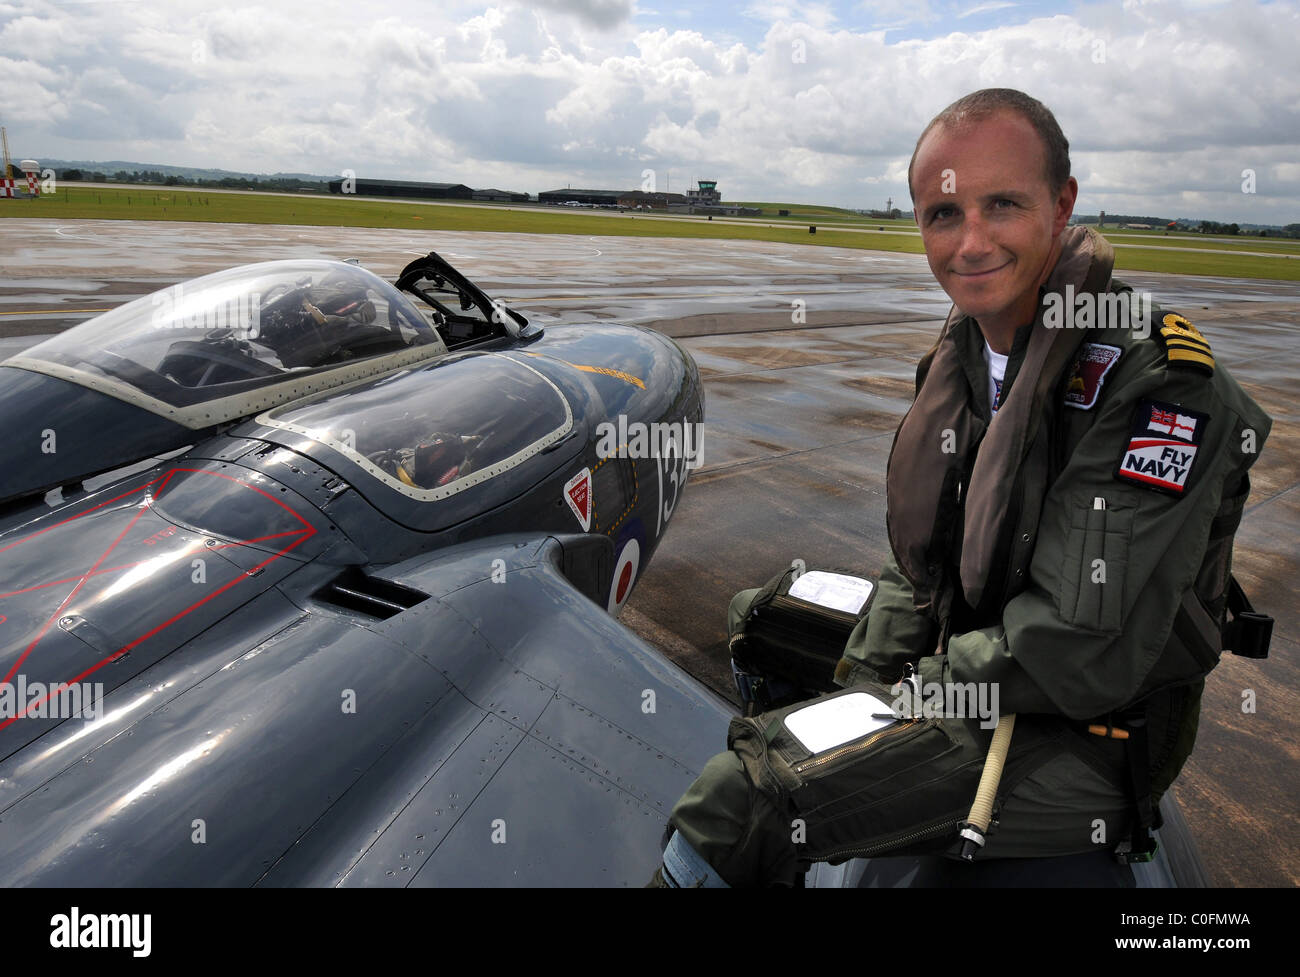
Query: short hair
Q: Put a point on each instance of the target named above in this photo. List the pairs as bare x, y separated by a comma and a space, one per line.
987, 102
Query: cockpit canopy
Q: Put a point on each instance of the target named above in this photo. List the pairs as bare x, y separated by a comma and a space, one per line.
431, 432
225, 345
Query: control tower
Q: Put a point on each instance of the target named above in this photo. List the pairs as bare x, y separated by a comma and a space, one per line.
705, 195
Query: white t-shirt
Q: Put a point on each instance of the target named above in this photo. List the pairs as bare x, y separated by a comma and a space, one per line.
997, 373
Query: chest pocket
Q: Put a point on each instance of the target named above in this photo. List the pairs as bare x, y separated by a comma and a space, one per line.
1095, 566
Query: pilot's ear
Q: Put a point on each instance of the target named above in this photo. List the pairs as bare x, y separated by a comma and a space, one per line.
1065, 205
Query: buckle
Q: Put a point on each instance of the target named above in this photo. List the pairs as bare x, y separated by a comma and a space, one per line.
1126, 855
1249, 634
747, 684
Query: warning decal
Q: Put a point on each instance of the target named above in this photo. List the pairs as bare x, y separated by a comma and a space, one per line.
577, 492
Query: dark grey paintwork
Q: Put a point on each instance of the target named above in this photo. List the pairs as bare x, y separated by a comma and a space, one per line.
93, 433
496, 700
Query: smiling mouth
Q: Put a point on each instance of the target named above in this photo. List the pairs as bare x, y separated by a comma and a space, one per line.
978, 275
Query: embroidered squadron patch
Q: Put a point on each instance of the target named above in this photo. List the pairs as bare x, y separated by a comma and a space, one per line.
1163, 446
1088, 373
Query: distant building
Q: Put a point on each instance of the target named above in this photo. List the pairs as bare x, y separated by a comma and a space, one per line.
510, 196
706, 199
729, 210
405, 188
641, 200
705, 194
596, 198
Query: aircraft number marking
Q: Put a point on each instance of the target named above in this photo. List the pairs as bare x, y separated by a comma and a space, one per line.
671, 465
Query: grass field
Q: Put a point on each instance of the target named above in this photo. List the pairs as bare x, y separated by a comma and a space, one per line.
1158, 239
158, 203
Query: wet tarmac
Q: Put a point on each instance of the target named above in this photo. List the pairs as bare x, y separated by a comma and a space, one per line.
808, 355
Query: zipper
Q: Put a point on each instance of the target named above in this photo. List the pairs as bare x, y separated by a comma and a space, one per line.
855, 747
800, 610
832, 623
932, 830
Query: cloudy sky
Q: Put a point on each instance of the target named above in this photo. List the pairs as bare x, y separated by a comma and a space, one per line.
1165, 103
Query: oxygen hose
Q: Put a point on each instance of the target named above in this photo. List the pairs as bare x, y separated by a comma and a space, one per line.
981, 812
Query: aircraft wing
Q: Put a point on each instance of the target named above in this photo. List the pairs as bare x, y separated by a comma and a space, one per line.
503, 731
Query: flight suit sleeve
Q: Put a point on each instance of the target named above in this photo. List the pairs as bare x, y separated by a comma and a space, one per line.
892, 633
1113, 560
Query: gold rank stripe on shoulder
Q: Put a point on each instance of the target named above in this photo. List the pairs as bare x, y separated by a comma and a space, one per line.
1184, 344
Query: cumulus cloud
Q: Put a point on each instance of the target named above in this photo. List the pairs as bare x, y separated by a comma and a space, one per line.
602, 14
1164, 104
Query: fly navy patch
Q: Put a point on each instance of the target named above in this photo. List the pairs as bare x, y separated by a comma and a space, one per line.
1185, 346
1094, 362
1163, 446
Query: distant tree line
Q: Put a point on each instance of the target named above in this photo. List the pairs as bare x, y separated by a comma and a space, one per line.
1213, 227
1126, 219
157, 178
1201, 227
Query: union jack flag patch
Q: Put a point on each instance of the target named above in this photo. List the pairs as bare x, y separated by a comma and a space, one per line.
1163, 446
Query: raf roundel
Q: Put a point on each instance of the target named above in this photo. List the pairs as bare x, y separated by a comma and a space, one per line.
625, 570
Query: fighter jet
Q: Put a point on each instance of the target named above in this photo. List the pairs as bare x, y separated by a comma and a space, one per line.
311, 579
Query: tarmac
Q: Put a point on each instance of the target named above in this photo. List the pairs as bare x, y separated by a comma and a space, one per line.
808, 355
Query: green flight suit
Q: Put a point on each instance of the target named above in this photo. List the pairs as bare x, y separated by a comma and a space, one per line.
1095, 627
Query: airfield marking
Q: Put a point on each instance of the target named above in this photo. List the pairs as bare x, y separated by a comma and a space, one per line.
54, 311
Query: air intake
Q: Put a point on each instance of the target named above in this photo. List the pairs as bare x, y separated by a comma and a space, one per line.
354, 591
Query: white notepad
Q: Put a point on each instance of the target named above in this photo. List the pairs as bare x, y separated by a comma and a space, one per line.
837, 591
832, 722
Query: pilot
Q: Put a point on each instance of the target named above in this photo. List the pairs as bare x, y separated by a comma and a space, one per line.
1061, 499
308, 324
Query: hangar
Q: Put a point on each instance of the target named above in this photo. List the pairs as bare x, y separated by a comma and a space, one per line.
509, 196
405, 188
596, 198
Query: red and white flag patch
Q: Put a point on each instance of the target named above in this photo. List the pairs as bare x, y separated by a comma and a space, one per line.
1162, 447
1171, 422
1090, 369
577, 492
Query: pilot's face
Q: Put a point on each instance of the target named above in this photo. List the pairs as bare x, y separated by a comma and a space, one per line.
988, 217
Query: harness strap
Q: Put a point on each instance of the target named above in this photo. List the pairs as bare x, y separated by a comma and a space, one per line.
1248, 632
1140, 847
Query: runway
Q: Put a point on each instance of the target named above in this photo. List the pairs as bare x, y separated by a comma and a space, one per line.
808, 355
